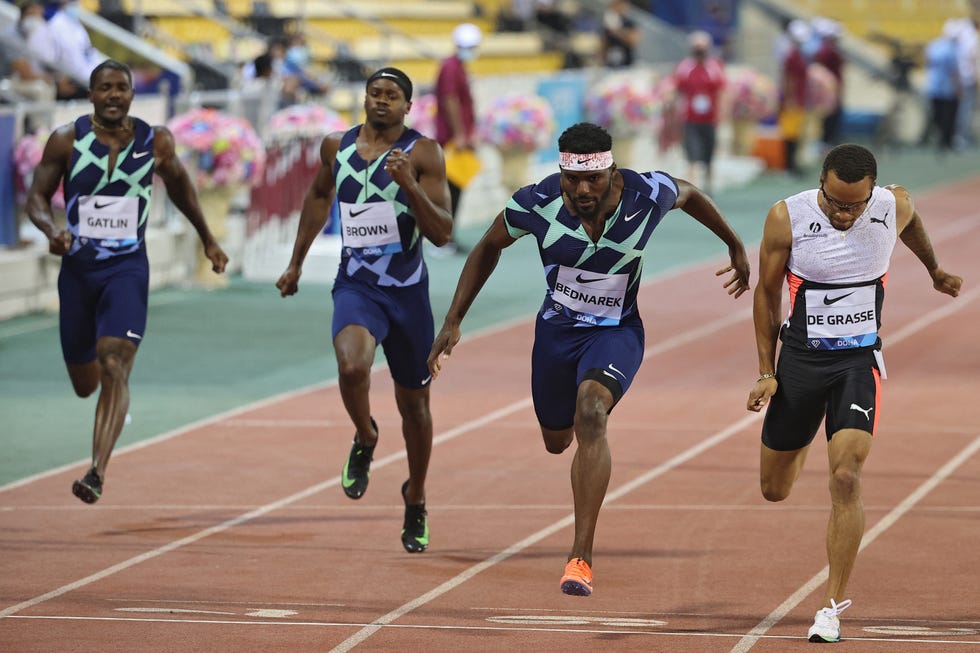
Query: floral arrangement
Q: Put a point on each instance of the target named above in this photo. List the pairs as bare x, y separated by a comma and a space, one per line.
220, 149
422, 117
303, 121
624, 104
27, 156
518, 121
821, 89
752, 95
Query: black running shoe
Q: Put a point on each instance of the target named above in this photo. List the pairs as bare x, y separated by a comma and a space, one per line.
358, 468
89, 487
415, 530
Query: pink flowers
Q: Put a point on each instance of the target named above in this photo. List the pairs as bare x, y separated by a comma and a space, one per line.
422, 116
27, 156
219, 149
753, 96
518, 122
303, 121
624, 104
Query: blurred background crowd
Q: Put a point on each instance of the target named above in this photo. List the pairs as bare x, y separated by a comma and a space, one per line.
724, 88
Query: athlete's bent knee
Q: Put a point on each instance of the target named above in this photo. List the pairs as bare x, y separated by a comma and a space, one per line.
845, 485
557, 441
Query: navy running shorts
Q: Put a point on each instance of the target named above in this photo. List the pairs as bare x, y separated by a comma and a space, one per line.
843, 386
399, 318
563, 356
99, 299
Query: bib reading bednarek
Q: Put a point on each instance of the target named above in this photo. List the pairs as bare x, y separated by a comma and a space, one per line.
108, 218
591, 297
370, 228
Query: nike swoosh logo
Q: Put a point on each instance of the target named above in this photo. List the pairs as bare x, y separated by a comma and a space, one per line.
581, 279
140, 155
426, 379
613, 368
102, 206
583, 161
130, 334
828, 300
630, 217
354, 214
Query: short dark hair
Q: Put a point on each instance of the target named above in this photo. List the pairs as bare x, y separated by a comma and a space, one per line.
585, 138
851, 162
110, 64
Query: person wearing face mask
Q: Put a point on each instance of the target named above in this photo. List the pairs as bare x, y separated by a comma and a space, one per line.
28, 77
700, 79
64, 46
455, 114
296, 79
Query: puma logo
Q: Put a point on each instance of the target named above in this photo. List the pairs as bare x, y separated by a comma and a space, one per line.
882, 221
866, 411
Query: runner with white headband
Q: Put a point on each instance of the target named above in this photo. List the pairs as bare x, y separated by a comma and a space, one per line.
592, 222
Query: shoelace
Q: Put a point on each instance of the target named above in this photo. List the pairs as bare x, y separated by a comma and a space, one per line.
836, 608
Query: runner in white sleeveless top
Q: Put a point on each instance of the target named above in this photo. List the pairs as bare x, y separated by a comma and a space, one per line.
832, 245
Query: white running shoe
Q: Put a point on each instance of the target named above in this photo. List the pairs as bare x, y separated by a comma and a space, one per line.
826, 625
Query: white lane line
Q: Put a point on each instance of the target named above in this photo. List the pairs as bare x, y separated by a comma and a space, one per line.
485, 628
568, 520
258, 512
546, 532
814, 583
870, 536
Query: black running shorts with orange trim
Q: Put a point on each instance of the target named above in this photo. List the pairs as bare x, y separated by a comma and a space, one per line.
843, 386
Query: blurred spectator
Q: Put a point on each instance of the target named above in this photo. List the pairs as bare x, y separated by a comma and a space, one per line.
942, 86
619, 35
519, 17
28, 78
792, 111
700, 79
261, 92
549, 14
275, 50
455, 111
297, 81
63, 45
829, 56
966, 55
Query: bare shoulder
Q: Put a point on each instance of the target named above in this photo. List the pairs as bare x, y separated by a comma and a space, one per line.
904, 206
427, 155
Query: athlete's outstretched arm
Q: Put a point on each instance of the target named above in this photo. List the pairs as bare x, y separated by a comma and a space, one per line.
696, 203
777, 239
912, 231
479, 265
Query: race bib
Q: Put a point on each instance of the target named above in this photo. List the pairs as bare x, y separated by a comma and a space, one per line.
591, 297
841, 318
105, 217
370, 229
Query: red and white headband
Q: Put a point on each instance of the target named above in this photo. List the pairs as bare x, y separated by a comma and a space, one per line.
579, 162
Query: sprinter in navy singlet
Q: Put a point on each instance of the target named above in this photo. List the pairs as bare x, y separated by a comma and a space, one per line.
107, 161
592, 222
387, 186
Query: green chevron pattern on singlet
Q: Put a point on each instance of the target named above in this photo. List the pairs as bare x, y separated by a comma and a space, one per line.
87, 158
368, 186
627, 248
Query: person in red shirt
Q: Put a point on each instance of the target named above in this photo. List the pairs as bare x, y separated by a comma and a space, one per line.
829, 56
792, 112
455, 114
700, 79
